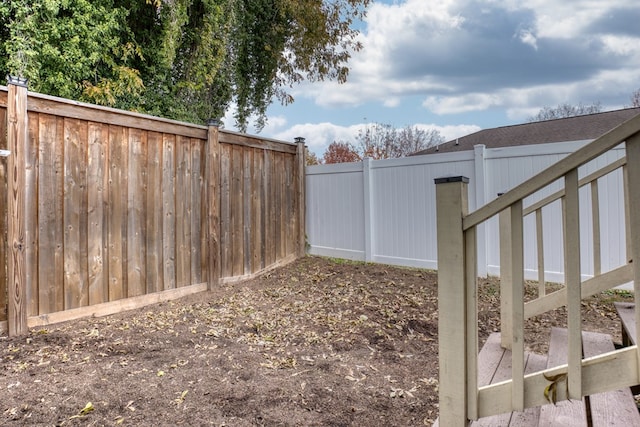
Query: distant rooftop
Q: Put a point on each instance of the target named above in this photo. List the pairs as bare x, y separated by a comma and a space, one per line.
578, 128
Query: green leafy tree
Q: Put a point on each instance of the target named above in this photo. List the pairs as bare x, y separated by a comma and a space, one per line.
182, 59
76, 49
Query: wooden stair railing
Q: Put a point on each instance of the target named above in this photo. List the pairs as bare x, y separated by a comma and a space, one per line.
613, 408
461, 399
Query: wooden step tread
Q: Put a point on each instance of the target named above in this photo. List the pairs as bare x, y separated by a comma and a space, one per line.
567, 413
626, 312
494, 365
616, 408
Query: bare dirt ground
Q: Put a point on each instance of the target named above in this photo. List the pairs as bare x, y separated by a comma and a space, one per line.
316, 343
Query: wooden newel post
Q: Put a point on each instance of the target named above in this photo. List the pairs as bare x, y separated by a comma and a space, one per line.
16, 144
632, 197
213, 194
451, 207
300, 196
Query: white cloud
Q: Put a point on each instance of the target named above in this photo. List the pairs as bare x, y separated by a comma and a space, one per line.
527, 37
318, 136
461, 104
452, 132
466, 56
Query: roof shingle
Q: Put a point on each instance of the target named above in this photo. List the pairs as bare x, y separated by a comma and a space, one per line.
578, 128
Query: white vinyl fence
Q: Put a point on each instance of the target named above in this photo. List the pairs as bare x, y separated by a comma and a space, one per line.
384, 210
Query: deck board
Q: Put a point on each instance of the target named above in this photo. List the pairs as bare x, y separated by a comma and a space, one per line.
494, 365
567, 413
530, 416
608, 409
626, 312
615, 407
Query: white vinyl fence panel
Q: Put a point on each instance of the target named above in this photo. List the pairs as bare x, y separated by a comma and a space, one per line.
384, 210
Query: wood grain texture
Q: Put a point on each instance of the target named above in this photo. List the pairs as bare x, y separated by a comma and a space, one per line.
3, 212
197, 186
247, 212
301, 204
154, 214
270, 217
183, 212
118, 137
227, 137
31, 214
136, 213
237, 220
98, 186
226, 266
16, 269
213, 206
289, 191
89, 112
117, 205
277, 206
257, 218
50, 208
76, 289
169, 211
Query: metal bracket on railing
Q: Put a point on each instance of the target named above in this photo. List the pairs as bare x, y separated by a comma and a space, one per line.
4, 153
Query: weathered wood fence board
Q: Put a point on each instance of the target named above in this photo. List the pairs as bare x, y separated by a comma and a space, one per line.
3, 208
120, 205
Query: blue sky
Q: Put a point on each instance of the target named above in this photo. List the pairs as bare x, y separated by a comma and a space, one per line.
460, 66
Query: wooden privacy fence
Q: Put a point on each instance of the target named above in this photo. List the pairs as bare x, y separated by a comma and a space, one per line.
109, 210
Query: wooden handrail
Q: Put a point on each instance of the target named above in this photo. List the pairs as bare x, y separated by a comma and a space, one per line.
589, 152
584, 181
460, 398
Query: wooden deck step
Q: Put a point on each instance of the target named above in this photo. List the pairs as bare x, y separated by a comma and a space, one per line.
614, 407
494, 365
566, 413
626, 312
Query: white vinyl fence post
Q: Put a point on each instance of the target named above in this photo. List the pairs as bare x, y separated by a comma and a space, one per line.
480, 186
368, 211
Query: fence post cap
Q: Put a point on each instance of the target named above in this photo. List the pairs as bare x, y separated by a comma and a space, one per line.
213, 122
299, 140
447, 179
17, 81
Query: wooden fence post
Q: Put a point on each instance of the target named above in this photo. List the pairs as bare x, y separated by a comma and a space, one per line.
451, 207
212, 153
300, 196
16, 144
